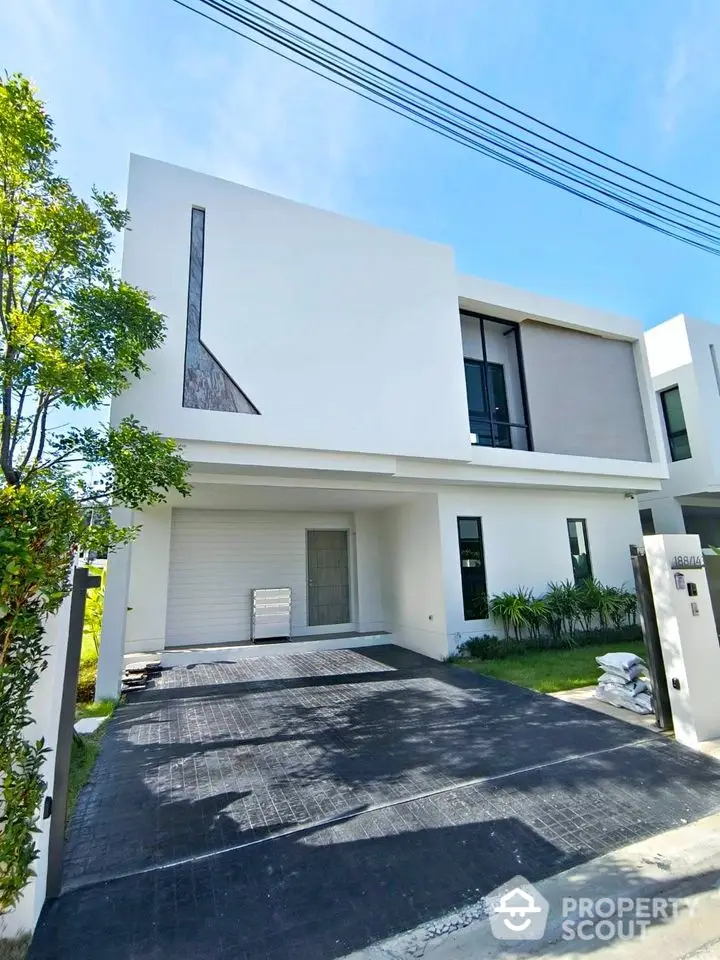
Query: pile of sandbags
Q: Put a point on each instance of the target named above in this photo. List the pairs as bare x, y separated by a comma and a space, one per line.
624, 682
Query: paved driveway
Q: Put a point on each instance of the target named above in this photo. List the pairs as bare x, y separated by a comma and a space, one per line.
306, 806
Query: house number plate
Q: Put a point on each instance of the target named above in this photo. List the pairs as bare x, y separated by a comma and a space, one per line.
687, 562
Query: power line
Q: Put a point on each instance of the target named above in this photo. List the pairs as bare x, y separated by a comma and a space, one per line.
223, 5
508, 106
348, 70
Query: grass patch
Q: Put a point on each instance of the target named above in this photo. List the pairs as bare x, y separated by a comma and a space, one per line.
15, 949
84, 753
103, 708
91, 640
548, 671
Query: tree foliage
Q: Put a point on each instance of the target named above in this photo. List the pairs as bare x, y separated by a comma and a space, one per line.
72, 335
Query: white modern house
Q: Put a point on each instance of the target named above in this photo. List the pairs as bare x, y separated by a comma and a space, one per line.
378, 439
684, 360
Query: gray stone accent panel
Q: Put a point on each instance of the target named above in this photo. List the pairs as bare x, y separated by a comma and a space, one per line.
583, 393
206, 383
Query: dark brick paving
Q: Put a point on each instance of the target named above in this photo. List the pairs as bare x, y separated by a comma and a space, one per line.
219, 755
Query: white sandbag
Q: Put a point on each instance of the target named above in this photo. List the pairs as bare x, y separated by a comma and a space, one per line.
634, 687
628, 666
625, 676
619, 661
618, 697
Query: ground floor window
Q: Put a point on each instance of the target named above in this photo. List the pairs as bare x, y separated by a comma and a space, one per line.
472, 568
579, 550
647, 523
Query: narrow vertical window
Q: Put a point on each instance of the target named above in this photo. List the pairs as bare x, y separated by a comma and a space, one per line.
675, 424
647, 523
579, 550
206, 383
472, 568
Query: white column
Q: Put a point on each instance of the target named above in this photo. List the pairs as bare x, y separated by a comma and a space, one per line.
148, 589
112, 642
688, 635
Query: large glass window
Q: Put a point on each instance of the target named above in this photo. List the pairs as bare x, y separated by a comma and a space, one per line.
495, 382
675, 424
579, 550
472, 568
486, 392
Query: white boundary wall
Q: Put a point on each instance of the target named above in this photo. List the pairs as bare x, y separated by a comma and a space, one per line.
45, 708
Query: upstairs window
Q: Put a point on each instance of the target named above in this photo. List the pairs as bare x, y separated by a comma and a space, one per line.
495, 382
675, 424
486, 392
472, 568
579, 550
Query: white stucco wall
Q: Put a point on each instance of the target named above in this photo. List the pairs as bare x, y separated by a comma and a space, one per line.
371, 614
345, 336
413, 588
526, 544
679, 354
404, 560
45, 710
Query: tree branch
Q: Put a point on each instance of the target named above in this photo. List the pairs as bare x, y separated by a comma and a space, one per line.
43, 430
5, 455
18, 421
40, 411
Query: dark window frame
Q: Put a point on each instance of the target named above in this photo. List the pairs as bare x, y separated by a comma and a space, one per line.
495, 434
499, 429
647, 521
474, 608
578, 579
674, 435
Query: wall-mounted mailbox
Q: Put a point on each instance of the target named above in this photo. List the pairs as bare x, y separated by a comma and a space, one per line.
680, 581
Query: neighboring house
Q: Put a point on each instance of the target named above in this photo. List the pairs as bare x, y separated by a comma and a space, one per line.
389, 439
684, 360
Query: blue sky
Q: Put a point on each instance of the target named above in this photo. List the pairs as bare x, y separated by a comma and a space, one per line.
640, 78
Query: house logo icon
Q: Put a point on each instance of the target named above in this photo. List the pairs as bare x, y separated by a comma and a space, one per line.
517, 911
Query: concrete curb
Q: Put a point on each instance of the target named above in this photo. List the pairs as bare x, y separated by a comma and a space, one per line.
683, 863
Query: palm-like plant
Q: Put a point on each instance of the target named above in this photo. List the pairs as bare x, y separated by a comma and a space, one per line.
563, 603
513, 611
590, 600
537, 615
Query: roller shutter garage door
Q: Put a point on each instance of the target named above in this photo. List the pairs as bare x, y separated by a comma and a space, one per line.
217, 557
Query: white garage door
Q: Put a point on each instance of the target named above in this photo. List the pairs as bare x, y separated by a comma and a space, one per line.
217, 557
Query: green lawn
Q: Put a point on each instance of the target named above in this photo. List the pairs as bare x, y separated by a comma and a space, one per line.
85, 750
548, 671
101, 708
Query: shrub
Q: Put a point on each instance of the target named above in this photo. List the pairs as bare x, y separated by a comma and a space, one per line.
567, 615
513, 610
489, 647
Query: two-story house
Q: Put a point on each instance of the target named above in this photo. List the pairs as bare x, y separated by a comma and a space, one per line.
684, 360
389, 441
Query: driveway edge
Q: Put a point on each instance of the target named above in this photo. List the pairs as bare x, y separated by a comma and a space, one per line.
683, 863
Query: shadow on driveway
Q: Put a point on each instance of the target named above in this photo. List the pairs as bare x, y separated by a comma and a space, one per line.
441, 785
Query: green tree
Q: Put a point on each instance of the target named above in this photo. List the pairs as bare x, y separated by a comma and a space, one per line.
72, 335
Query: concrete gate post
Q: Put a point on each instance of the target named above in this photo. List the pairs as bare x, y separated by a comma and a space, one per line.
688, 635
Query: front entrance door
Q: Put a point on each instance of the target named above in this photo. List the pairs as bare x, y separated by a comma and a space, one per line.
328, 577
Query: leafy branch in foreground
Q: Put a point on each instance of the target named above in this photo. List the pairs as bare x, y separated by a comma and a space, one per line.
72, 335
